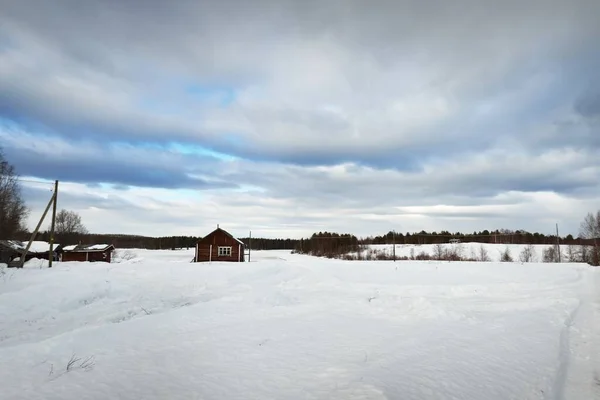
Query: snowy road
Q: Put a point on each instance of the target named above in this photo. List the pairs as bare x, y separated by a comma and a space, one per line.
295, 327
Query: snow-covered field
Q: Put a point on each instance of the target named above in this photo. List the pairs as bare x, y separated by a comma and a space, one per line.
297, 327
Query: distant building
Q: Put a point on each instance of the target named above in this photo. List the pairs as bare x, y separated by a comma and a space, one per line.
219, 245
87, 252
11, 251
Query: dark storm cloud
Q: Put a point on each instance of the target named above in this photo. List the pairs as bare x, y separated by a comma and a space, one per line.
94, 163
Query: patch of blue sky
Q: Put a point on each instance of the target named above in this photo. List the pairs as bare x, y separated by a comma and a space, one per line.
8, 123
18, 130
144, 145
178, 147
192, 149
12, 119
247, 188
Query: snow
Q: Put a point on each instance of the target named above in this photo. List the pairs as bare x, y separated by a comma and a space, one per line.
98, 246
37, 246
156, 326
87, 247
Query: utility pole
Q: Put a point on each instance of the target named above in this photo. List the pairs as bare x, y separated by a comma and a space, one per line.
35, 231
558, 243
394, 244
249, 245
51, 252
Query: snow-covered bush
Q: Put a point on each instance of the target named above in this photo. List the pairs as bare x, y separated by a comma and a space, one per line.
550, 255
423, 256
123, 255
505, 256
454, 253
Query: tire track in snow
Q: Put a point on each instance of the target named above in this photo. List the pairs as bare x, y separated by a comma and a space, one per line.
579, 344
564, 352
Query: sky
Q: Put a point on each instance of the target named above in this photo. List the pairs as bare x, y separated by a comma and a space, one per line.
288, 118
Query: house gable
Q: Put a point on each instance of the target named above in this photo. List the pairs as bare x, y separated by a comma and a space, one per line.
220, 236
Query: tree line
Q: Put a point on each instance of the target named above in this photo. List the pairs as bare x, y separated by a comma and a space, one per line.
584, 248
500, 236
328, 244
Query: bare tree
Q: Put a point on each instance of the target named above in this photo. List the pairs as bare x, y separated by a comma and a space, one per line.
527, 254
13, 211
590, 229
438, 252
483, 254
68, 227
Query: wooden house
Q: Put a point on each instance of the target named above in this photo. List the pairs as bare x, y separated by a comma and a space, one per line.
87, 252
219, 245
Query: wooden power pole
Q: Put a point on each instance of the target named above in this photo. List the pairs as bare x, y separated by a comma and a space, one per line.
558, 244
37, 228
394, 244
51, 251
249, 245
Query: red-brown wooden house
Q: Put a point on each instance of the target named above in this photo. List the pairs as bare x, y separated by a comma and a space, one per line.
219, 245
87, 252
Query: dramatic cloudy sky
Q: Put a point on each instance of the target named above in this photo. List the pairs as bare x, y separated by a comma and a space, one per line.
289, 117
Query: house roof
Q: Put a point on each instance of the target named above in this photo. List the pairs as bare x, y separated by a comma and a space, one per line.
87, 248
37, 246
226, 233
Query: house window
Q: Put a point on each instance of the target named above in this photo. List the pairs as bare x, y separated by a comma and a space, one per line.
224, 251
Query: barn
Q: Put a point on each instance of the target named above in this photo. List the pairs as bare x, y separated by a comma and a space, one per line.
219, 245
87, 252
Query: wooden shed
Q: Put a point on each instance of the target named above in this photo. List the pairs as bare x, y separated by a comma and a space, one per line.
87, 252
11, 251
219, 245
